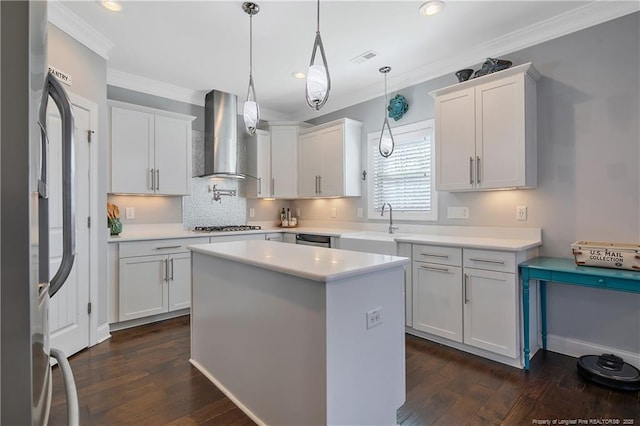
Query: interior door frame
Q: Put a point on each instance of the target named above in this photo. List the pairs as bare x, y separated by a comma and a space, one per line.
92, 108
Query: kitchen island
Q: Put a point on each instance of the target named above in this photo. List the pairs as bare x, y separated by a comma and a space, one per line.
298, 334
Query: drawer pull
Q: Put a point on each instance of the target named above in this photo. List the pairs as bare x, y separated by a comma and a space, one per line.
464, 289
497, 262
167, 247
441, 256
165, 274
434, 268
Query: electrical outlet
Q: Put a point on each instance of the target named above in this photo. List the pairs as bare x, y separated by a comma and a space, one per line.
458, 212
334, 212
130, 213
359, 211
521, 213
374, 317
297, 212
252, 212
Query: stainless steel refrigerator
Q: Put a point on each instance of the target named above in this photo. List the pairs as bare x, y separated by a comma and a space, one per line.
25, 287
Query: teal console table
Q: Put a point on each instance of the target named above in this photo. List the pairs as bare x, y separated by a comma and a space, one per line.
565, 271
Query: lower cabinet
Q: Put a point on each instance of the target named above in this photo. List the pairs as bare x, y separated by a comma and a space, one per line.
468, 296
154, 277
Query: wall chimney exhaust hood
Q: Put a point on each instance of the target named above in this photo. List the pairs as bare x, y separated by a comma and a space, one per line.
221, 135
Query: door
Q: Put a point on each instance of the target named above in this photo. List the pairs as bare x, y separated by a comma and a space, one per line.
143, 286
68, 314
284, 157
179, 281
437, 300
332, 173
455, 141
500, 133
172, 156
309, 164
490, 316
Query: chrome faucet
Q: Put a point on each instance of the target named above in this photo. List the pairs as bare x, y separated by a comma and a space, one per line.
391, 227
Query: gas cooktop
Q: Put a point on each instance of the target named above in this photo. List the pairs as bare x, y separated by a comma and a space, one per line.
227, 228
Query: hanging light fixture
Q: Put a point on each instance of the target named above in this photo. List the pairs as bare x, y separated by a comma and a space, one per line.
386, 144
318, 80
251, 111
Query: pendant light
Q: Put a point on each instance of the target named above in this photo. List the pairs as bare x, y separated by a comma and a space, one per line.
318, 80
251, 111
386, 144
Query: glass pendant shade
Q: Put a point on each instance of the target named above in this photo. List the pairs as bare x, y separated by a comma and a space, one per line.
317, 85
251, 115
318, 79
386, 143
251, 111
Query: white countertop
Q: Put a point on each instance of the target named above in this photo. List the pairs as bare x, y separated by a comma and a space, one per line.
314, 263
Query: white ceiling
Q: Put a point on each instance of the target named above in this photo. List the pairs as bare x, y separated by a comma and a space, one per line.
204, 45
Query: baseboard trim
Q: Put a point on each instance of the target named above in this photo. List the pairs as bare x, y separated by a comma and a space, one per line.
148, 320
102, 333
576, 348
227, 392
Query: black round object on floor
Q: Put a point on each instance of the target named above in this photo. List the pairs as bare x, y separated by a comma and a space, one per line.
609, 370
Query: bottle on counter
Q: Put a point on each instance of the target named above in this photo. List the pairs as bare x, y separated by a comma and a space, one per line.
283, 216
288, 214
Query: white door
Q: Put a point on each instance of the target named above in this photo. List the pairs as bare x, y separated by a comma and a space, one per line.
332, 173
179, 281
68, 314
172, 156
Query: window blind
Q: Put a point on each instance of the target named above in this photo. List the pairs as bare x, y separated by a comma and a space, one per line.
404, 178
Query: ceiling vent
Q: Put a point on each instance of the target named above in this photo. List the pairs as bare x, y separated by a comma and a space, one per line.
369, 54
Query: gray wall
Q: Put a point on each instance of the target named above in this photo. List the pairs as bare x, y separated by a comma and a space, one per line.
588, 168
89, 72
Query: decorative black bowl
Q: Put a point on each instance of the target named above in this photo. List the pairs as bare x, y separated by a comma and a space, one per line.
463, 75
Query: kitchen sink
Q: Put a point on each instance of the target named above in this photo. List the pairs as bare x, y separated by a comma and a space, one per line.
371, 242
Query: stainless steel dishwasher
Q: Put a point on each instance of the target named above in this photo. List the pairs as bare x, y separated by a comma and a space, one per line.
314, 240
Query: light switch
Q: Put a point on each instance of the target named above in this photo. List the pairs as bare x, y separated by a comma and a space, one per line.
130, 213
334, 212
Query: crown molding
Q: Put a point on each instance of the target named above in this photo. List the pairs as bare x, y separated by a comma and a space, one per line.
589, 15
176, 93
154, 87
63, 18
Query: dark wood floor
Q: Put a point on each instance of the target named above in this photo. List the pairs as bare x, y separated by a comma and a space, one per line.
143, 376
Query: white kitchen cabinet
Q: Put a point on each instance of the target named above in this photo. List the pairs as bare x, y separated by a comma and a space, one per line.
154, 277
284, 158
150, 151
469, 298
259, 165
329, 160
486, 135
437, 291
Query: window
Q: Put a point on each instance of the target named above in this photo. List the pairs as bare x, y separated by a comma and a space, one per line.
404, 180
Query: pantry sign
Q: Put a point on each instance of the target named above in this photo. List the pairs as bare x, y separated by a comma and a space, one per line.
63, 77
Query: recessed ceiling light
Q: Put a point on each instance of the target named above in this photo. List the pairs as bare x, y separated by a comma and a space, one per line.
432, 7
299, 75
112, 5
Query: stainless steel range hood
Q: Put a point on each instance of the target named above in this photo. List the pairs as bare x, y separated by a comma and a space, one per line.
221, 135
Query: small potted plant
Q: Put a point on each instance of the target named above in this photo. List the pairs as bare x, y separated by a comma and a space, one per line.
113, 219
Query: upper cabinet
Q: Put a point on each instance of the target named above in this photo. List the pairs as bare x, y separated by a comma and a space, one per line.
150, 151
486, 132
329, 160
284, 158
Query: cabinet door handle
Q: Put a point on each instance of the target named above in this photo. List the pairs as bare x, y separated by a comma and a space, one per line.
441, 256
166, 271
319, 184
273, 187
153, 179
477, 169
497, 262
464, 289
158, 179
167, 247
471, 170
434, 268
172, 269
259, 186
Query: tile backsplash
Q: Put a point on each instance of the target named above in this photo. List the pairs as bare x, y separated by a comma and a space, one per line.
199, 209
